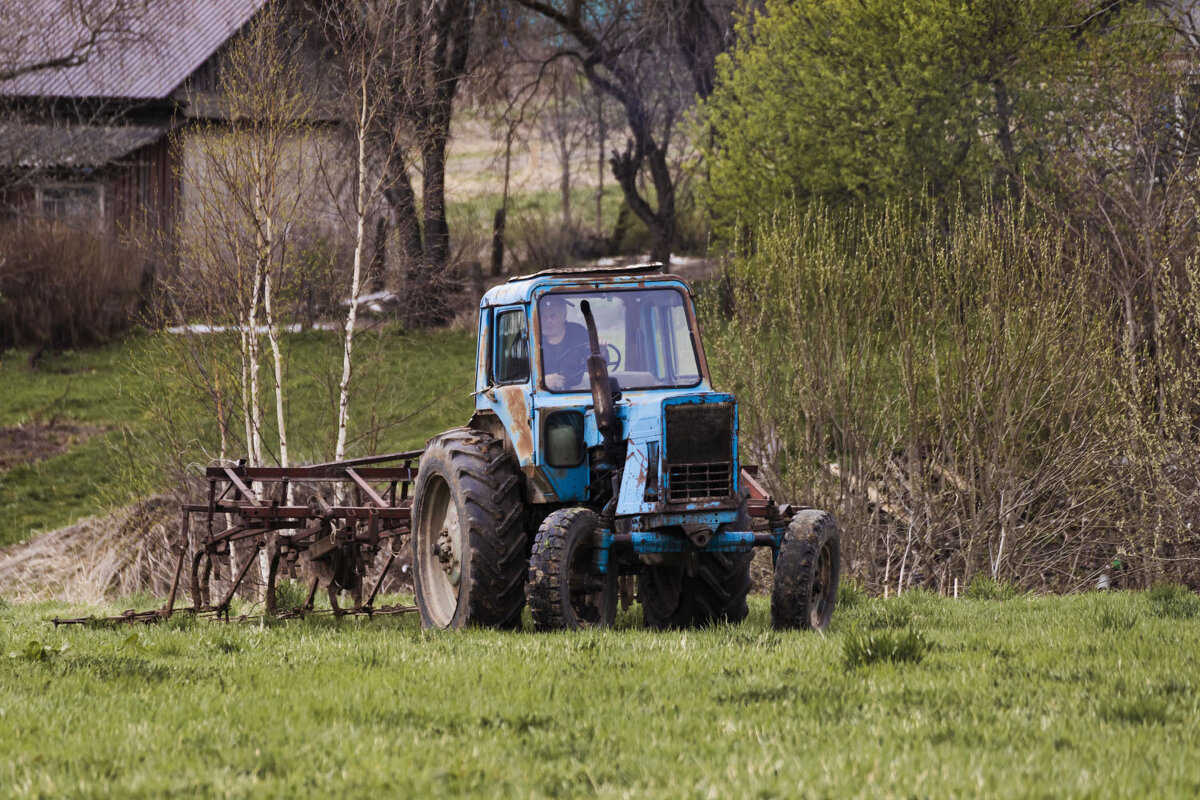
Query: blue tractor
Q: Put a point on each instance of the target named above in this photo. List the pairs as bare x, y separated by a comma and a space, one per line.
599, 457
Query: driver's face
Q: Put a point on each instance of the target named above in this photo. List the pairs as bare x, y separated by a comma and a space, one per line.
554, 320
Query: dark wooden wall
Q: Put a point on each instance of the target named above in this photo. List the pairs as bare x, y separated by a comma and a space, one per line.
144, 190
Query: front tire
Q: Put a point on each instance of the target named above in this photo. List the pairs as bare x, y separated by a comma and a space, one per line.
469, 543
565, 593
806, 573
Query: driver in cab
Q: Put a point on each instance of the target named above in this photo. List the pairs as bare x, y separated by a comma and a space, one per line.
564, 345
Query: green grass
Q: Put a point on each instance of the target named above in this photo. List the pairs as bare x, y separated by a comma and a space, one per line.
1029, 697
416, 385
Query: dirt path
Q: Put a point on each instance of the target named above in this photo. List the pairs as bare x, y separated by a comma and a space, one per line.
25, 444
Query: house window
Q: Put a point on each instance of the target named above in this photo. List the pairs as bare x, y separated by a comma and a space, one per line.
73, 201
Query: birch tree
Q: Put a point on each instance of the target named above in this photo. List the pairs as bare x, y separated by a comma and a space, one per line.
360, 37
242, 176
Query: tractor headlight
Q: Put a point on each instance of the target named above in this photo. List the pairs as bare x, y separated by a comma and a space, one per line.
564, 439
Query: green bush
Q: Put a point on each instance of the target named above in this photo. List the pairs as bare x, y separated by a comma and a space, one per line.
856, 101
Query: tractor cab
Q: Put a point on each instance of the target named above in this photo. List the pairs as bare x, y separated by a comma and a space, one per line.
534, 390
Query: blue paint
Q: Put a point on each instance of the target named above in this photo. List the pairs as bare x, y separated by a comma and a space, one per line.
522, 407
723, 542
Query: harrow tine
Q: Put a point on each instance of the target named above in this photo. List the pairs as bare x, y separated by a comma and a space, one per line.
185, 527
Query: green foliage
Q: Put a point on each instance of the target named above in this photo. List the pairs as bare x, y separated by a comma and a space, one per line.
1171, 601
37, 650
850, 595
1117, 618
290, 594
985, 587
849, 100
863, 649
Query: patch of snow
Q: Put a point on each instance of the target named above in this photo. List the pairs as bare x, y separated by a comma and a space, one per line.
295, 327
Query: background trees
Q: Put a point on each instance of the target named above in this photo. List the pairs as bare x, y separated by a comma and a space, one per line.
653, 59
852, 102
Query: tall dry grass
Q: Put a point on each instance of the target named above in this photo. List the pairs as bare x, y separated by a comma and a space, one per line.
956, 391
63, 287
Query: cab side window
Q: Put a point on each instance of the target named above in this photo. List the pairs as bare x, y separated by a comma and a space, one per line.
512, 347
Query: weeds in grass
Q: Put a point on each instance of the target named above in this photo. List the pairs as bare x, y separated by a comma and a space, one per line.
985, 587
1141, 709
290, 594
1116, 618
1011, 699
862, 649
36, 650
887, 615
850, 595
1172, 601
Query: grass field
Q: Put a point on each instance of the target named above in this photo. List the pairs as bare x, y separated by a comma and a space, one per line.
1086, 695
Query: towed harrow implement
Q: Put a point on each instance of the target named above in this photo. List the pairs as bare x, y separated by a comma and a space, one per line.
352, 511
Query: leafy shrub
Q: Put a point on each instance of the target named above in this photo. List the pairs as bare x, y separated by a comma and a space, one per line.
985, 587
1172, 601
61, 287
861, 649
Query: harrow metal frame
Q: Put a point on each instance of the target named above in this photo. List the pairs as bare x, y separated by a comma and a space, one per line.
340, 540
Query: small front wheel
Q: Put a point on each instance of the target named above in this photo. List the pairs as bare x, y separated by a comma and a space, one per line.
806, 573
565, 590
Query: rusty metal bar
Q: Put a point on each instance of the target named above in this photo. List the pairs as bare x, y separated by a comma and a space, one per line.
185, 528
228, 598
379, 583
245, 490
366, 488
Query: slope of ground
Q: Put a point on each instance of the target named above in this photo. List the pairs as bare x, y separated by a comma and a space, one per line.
412, 386
1086, 695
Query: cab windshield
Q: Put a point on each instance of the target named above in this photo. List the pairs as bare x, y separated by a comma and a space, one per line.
644, 336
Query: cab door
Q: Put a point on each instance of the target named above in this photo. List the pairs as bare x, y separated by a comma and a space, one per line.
506, 393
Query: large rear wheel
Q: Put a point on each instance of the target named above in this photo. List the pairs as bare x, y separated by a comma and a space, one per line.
470, 550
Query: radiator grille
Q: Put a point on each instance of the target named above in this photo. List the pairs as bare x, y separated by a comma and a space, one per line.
698, 482
699, 451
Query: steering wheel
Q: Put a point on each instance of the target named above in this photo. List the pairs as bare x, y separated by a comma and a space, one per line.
612, 356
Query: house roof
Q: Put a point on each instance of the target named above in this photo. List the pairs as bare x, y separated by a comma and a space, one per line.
71, 146
165, 42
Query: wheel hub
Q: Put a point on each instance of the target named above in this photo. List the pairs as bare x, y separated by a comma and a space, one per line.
446, 551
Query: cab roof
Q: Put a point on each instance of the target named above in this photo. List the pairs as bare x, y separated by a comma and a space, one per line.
521, 289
